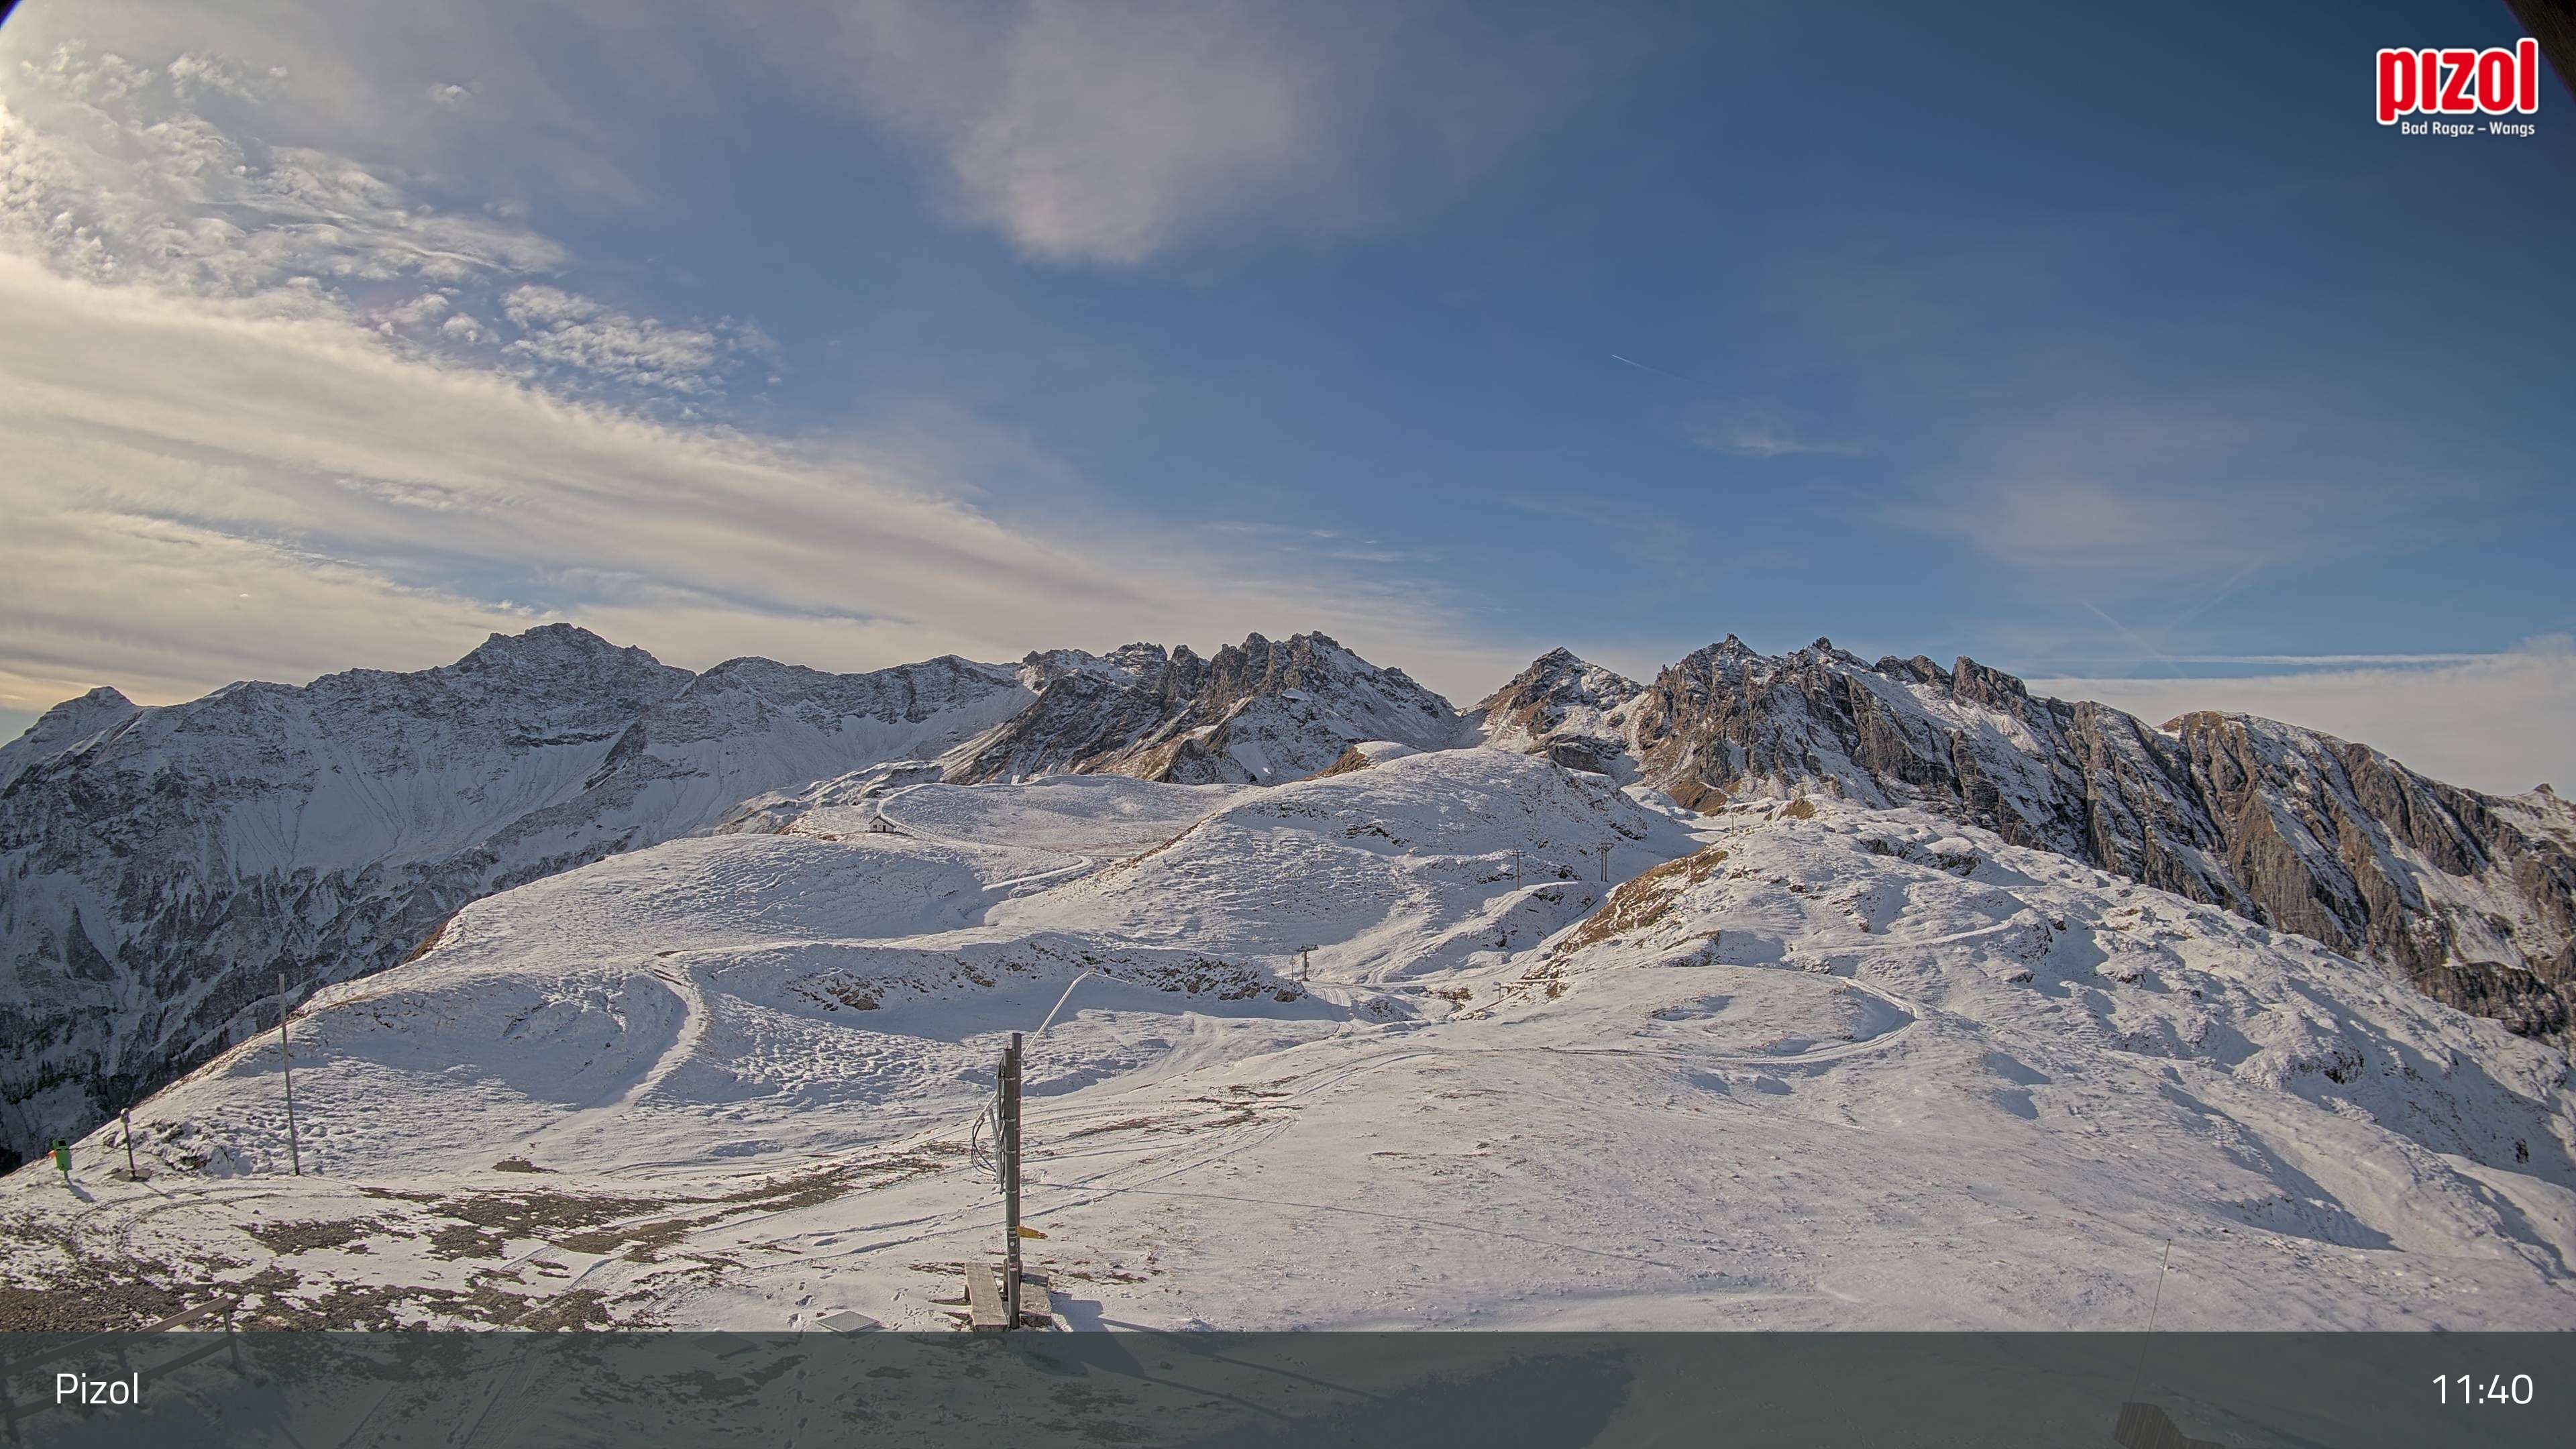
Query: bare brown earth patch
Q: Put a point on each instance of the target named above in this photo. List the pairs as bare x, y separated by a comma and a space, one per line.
287, 1239
1349, 760
1641, 902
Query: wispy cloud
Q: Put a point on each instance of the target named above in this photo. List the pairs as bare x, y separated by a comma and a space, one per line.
1113, 133
2325, 661
1755, 430
1082, 133
272, 411
198, 495
2194, 492
126, 183
1741, 427
566, 330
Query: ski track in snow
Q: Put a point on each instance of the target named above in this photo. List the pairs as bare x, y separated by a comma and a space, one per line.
693, 1030
1079, 864
1809, 1085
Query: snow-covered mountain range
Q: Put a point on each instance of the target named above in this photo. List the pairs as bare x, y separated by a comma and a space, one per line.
1380, 1047
2471, 897
160, 868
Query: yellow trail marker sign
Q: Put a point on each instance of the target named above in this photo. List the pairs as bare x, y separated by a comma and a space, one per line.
1029, 1232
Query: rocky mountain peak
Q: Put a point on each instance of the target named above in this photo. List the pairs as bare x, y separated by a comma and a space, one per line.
552, 649
1561, 706
1127, 662
88, 712
2471, 897
65, 725
544, 641
1261, 710
1561, 673
1978, 684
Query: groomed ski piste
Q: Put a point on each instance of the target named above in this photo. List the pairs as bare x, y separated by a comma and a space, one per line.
1798, 1064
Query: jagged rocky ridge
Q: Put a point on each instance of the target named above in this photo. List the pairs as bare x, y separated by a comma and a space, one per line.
2471, 897
1257, 713
160, 868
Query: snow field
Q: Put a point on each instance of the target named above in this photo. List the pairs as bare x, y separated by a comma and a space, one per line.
1857, 1069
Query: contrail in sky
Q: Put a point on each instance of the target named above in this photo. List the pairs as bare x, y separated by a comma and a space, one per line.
1657, 371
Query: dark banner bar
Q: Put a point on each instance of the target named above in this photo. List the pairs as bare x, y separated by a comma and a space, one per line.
1271, 1391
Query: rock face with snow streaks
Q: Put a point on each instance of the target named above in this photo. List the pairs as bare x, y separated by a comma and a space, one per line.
2471, 897
1573, 712
1258, 712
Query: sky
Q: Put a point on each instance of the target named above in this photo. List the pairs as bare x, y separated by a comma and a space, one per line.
2119, 349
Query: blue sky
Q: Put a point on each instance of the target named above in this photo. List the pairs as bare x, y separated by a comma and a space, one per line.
2122, 350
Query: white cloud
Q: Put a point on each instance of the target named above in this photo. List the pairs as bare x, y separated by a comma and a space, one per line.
1113, 133
1083, 133
123, 182
2495, 722
127, 184
195, 75
571, 331
198, 495
270, 412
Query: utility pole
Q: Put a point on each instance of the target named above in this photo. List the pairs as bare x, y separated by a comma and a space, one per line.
126, 1115
286, 1065
1010, 1145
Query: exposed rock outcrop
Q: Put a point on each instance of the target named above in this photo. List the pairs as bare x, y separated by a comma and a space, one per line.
1258, 712
2471, 897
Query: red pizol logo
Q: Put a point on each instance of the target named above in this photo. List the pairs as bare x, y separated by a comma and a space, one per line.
2459, 82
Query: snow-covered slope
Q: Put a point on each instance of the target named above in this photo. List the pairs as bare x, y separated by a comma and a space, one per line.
1809, 1065
2471, 897
164, 866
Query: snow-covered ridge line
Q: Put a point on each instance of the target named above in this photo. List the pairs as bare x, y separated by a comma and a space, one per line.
1374, 1048
2471, 897
164, 866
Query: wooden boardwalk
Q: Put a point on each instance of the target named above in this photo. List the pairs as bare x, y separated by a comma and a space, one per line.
984, 1300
